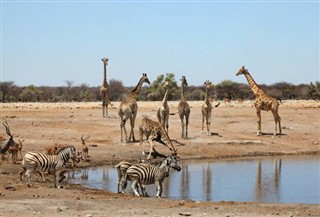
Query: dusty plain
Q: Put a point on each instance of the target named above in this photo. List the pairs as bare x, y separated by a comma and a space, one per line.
233, 136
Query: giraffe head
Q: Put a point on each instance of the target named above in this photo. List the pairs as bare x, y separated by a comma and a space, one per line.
145, 78
207, 83
105, 60
184, 81
242, 70
166, 84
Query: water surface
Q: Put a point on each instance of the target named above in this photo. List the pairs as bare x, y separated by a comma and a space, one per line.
274, 180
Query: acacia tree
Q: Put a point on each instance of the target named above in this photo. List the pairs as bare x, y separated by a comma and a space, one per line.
157, 91
117, 90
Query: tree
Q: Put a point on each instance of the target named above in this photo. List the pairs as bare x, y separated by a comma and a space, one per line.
117, 90
30, 94
314, 90
156, 88
6, 88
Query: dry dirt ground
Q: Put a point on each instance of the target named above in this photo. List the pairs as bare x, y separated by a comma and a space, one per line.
233, 128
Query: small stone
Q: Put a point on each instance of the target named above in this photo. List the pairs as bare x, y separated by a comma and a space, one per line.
185, 213
59, 209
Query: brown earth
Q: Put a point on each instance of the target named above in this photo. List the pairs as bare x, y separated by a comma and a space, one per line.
233, 136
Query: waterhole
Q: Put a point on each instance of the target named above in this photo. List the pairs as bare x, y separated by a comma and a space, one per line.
272, 180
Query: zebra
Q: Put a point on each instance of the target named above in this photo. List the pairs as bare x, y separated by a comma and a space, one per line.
47, 163
148, 174
122, 168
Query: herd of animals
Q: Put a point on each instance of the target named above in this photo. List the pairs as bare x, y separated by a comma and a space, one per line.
141, 173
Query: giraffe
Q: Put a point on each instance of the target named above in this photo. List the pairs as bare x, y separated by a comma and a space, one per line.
128, 109
184, 109
206, 108
163, 110
262, 102
154, 131
104, 89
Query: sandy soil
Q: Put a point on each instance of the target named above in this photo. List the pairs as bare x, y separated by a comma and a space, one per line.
233, 128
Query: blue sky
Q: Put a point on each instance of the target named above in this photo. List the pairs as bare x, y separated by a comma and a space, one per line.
49, 42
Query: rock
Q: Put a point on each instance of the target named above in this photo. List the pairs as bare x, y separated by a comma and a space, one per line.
185, 213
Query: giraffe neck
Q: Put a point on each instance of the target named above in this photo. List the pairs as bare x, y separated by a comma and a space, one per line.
183, 90
207, 94
167, 139
137, 89
165, 97
257, 91
104, 82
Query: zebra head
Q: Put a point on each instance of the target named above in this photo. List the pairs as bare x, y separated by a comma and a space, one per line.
69, 152
172, 162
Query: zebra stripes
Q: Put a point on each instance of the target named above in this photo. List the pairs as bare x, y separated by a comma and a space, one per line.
47, 163
122, 168
146, 174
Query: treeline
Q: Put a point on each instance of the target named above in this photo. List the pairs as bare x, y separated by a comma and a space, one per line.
227, 89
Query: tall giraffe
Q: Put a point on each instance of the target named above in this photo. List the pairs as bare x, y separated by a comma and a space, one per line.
154, 131
129, 107
206, 108
104, 89
184, 109
163, 110
262, 102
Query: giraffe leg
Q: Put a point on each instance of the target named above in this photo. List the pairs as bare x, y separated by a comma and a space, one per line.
107, 104
202, 122
208, 125
259, 122
277, 121
141, 140
123, 129
132, 121
151, 148
103, 106
182, 126
187, 123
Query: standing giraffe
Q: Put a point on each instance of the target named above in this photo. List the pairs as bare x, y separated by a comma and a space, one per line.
129, 107
184, 109
163, 110
262, 101
206, 108
104, 89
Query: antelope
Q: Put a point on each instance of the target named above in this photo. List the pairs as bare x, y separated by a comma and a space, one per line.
85, 149
9, 143
14, 150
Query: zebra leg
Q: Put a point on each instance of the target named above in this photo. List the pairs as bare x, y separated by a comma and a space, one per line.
134, 187
159, 188
123, 184
21, 173
42, 175
143, 190
28, 174
56, 179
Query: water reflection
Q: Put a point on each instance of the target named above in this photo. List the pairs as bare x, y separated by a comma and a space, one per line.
278, 180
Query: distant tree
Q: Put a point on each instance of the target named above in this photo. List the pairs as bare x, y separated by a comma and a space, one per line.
30, 94
6, 88
229, 89
117, 90
314, 90
156, 87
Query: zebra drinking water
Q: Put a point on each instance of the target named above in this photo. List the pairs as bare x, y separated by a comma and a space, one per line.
148, 174
47, 163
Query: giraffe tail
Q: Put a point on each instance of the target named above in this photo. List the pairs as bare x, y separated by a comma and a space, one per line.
174, 113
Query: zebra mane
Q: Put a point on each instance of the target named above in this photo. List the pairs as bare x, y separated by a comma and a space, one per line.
64, 148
